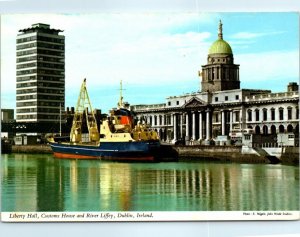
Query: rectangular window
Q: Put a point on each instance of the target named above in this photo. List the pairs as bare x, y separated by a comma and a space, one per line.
289, 114
249, 115
280, 114
237, 97
265, 114
169, 103
273, 114
237, 116
217, 118
216, 99
256, 115
226, 98
177, 102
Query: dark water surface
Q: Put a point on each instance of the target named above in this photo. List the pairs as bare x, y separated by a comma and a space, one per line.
43, 183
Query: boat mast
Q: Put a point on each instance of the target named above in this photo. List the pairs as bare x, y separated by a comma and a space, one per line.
120, 103
84, 106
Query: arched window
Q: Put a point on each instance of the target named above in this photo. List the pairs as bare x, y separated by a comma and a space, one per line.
272, 114
289, 128
257, 130
265, 114
265, 129
249, 112
273, 129
281, 129
257, 115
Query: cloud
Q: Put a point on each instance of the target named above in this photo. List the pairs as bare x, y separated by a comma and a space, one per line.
271, 66
252, 35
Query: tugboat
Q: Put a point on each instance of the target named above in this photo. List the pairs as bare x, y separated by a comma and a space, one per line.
118, 138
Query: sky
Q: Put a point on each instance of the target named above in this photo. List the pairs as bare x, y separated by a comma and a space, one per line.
157, 54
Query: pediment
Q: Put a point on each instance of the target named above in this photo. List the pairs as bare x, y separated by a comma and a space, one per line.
194, 103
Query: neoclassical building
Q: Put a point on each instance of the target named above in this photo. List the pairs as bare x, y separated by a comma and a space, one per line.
221, 106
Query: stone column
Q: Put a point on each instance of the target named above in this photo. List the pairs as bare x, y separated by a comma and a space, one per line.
208, 125
223, 122
194, 125
181, 125
231, 120
175, 127
200, 126
187, 134
158, 120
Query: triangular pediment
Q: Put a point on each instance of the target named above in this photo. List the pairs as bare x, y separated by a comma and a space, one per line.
193, 103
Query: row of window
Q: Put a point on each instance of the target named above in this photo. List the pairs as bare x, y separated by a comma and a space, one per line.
40, 90
41, 44
157, 119
40, 84
40, 58
39, 116
40, 97
40, 65
40, 71
237, 97
226, 98
41, 78
39, 103
273, 114
41, 51
223, 73
38, 110
40, 38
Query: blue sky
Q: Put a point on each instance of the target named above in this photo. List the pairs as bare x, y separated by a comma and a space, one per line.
157, 55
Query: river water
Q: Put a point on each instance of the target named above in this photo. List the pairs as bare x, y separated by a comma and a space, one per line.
33, 183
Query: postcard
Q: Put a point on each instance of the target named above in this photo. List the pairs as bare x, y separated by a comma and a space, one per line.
150, 116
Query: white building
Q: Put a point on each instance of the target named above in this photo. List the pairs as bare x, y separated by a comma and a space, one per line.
221, 106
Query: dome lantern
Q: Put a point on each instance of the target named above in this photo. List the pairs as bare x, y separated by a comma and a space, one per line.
220, 46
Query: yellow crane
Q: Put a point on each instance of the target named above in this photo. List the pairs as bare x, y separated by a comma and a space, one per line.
84, 106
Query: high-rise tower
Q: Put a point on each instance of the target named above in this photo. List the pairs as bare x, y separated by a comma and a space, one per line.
220, 73
40, 74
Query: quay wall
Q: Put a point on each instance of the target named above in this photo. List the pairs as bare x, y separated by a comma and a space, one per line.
195, 153
291, 156
41, 149
217, 153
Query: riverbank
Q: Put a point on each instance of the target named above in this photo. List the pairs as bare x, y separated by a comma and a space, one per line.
195, 153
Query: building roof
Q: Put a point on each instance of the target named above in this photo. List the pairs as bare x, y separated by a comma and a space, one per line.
40, 27
220, 46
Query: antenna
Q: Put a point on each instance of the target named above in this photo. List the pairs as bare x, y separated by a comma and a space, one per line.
120, 103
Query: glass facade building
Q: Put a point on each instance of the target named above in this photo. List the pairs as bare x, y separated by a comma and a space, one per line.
40, 91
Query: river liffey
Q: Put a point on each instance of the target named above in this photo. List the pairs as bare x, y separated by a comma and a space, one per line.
35, 183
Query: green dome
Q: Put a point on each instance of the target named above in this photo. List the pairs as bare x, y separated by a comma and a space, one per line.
220, 46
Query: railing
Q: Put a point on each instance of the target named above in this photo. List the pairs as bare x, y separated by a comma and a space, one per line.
280, 95
145, 107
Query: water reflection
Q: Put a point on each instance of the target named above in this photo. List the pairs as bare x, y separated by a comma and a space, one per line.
42, 183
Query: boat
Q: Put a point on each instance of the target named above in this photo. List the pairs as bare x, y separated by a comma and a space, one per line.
117, 139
